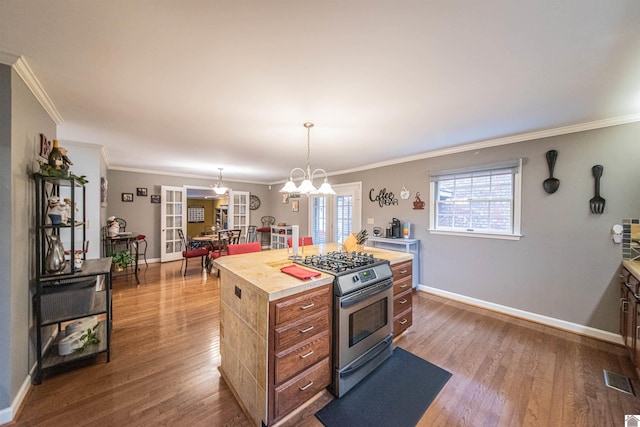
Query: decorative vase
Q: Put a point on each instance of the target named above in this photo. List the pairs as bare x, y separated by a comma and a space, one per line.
55, 261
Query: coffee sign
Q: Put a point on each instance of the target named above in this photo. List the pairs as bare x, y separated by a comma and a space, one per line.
383, 198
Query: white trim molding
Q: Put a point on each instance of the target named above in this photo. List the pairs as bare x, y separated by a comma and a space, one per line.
21, 67
526, 315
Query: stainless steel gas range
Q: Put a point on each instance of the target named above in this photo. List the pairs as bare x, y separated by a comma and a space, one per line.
362, 315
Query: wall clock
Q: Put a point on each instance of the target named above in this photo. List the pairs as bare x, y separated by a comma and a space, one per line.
254, 202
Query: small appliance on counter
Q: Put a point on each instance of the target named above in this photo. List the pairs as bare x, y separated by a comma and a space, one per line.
394, 231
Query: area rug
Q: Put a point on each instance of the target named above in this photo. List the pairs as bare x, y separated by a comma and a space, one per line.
396, 394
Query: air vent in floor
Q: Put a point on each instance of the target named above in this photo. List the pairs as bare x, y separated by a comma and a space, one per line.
618, 382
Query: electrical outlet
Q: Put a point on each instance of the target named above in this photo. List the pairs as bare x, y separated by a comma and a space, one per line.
238, 292
370, 221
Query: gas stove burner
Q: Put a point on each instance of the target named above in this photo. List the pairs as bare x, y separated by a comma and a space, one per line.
339, 262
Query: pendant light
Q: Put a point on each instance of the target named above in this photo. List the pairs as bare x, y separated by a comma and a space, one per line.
306, 186
220, 188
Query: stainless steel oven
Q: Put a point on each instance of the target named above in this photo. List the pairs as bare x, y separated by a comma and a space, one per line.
362, 316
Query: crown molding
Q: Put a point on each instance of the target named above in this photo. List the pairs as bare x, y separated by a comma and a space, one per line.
495, 142
183, 175
8, 58
21, 67
32, 82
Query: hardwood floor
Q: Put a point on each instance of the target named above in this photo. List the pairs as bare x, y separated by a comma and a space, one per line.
165, 354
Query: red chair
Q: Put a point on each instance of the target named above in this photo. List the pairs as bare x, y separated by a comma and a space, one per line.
236, 249
302, 241
244, 248
191, 253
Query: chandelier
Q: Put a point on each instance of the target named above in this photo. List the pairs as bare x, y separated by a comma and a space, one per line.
220, 188
306, 186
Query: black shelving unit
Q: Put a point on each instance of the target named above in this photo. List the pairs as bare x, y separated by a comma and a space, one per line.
73, 293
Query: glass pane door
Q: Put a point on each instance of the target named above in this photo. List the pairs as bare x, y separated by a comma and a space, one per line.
239, 211
173, 214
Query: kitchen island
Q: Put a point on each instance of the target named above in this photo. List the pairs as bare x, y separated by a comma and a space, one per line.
257, 322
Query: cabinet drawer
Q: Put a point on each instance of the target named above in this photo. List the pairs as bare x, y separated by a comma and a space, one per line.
402, 322
291, 334
402, 270
297, 359
302, 305
403, 285
402, 302
301, 388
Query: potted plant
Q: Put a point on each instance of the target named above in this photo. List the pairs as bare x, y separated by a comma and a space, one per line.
121, 259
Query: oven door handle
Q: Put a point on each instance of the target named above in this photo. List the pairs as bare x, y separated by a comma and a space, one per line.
360, 296
382, 346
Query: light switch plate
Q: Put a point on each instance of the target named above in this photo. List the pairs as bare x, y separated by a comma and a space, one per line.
370, 221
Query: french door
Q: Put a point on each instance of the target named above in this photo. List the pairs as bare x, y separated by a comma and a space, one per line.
239, 211
172, 218
333, 218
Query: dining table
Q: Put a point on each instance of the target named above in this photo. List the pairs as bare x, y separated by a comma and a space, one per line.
129, 240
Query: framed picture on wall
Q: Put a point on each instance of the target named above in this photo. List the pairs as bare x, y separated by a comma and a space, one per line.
155, 198
103, 191
285, 197
295, 205
141, 191
127, 197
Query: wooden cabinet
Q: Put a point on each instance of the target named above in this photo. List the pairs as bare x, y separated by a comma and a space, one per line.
630, 315
299, 349
402, 296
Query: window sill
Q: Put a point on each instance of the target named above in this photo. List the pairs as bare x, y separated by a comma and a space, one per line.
477, 234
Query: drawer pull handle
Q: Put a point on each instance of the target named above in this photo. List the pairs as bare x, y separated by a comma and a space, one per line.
403, 321
304, 307
304, 331
304, 356
306, 387
637, 330
403, 271
403, 286
403, 301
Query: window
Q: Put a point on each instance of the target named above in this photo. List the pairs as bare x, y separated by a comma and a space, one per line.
319, 219
479, 202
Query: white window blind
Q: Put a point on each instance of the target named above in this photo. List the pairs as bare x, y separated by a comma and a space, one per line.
319, 219
483, 201
344, 213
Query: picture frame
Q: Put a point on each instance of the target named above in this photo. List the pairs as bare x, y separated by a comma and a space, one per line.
295, 205
285, 197
104, 185
45, 146
141, 191
155, 198
127, 197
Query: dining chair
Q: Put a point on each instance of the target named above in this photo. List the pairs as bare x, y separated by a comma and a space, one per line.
140, 239
252, 233
191, 253
244, 248
302, 241
122, 224
265, 230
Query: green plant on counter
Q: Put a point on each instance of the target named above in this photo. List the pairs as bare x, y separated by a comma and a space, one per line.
122, 259
88, 338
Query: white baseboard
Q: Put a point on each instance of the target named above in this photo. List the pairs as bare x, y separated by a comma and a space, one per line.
526, 315
7, 414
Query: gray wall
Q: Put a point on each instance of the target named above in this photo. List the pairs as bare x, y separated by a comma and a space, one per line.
143, 216
25, 121
565, 265
87, 161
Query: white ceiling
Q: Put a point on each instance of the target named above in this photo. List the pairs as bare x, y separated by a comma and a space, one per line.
189, 86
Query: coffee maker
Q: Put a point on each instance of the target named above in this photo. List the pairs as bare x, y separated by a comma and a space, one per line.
395, 229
